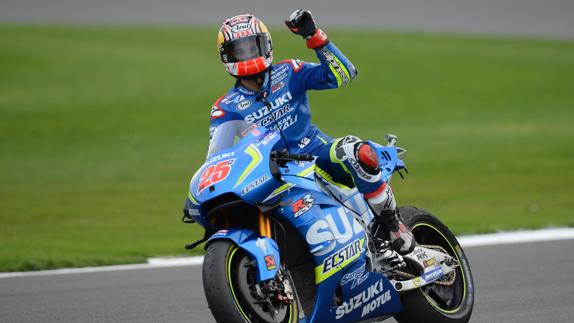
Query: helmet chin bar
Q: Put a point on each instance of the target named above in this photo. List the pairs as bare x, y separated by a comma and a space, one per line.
259, 77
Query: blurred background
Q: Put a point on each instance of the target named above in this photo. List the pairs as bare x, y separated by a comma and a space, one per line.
104, 113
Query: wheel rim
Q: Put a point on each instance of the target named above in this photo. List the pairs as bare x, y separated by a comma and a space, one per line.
242, 281
446, 299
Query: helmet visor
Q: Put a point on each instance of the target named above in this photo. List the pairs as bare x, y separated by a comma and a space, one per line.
246, 48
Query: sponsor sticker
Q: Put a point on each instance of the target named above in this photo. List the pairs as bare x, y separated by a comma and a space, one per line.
251, 129
270, 262
428, 277
304, 142
374, 304
356, 277
430, 262
261, 244
254, 184
369, 300
279, 74
339, 227
222, 232
220, 157
266, 110
277, 87
302, 205
233, 98
421, 254
244, 104
267, 139
432, 275
240, 27
275, 116
339, 258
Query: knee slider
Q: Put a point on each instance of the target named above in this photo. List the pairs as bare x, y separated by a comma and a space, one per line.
367, 157
348, 140
346, 143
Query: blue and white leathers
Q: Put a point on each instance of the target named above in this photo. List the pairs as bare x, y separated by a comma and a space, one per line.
331, 220
287, 84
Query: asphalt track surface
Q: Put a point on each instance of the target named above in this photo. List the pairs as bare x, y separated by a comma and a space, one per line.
546, 18
515, 283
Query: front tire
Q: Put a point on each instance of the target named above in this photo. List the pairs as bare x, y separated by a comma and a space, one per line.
229, 282
434, 303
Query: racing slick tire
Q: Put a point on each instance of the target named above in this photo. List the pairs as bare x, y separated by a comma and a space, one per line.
437, 303
229, 285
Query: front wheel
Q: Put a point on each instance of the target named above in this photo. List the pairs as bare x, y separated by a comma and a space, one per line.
232, 292
436, 303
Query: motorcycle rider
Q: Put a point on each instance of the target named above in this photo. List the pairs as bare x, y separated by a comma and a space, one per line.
275, 96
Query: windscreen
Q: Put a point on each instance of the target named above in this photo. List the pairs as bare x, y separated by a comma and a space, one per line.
226, 135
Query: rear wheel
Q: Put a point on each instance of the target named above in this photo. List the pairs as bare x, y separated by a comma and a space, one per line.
232, 292
436, 303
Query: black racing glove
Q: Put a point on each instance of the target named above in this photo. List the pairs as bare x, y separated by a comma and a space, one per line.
301, 23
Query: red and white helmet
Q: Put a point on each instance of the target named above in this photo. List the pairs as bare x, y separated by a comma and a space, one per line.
244, 45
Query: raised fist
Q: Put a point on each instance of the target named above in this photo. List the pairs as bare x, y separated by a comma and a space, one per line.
301, 22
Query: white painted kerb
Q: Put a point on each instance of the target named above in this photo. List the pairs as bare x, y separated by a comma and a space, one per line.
466, 242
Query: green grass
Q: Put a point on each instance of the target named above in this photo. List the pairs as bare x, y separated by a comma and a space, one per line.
101, 129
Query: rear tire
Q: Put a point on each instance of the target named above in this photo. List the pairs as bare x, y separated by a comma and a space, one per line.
227, 278
434, 303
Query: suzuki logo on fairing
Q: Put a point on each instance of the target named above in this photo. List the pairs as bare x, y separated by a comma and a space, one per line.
370, 299
329, 230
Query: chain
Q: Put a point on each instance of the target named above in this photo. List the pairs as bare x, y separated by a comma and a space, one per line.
445, 281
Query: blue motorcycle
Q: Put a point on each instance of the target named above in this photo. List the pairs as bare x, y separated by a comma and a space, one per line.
286, 243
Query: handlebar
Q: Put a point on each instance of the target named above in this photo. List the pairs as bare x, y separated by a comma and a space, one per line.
391, 139
284, 155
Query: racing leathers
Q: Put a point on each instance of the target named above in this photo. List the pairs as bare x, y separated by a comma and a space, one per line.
282, 104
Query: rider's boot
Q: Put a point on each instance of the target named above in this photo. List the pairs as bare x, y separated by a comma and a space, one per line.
383, 204
401, 237
361, 161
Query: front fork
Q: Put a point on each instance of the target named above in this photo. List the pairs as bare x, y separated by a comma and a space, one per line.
264, 225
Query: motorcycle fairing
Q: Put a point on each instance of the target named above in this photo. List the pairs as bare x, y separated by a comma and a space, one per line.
365, 295
349, 197
389, 161
337, 242
264, 250
336, 239
237, 164
294, 174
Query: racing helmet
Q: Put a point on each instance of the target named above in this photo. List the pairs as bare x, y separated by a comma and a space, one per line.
244, 45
